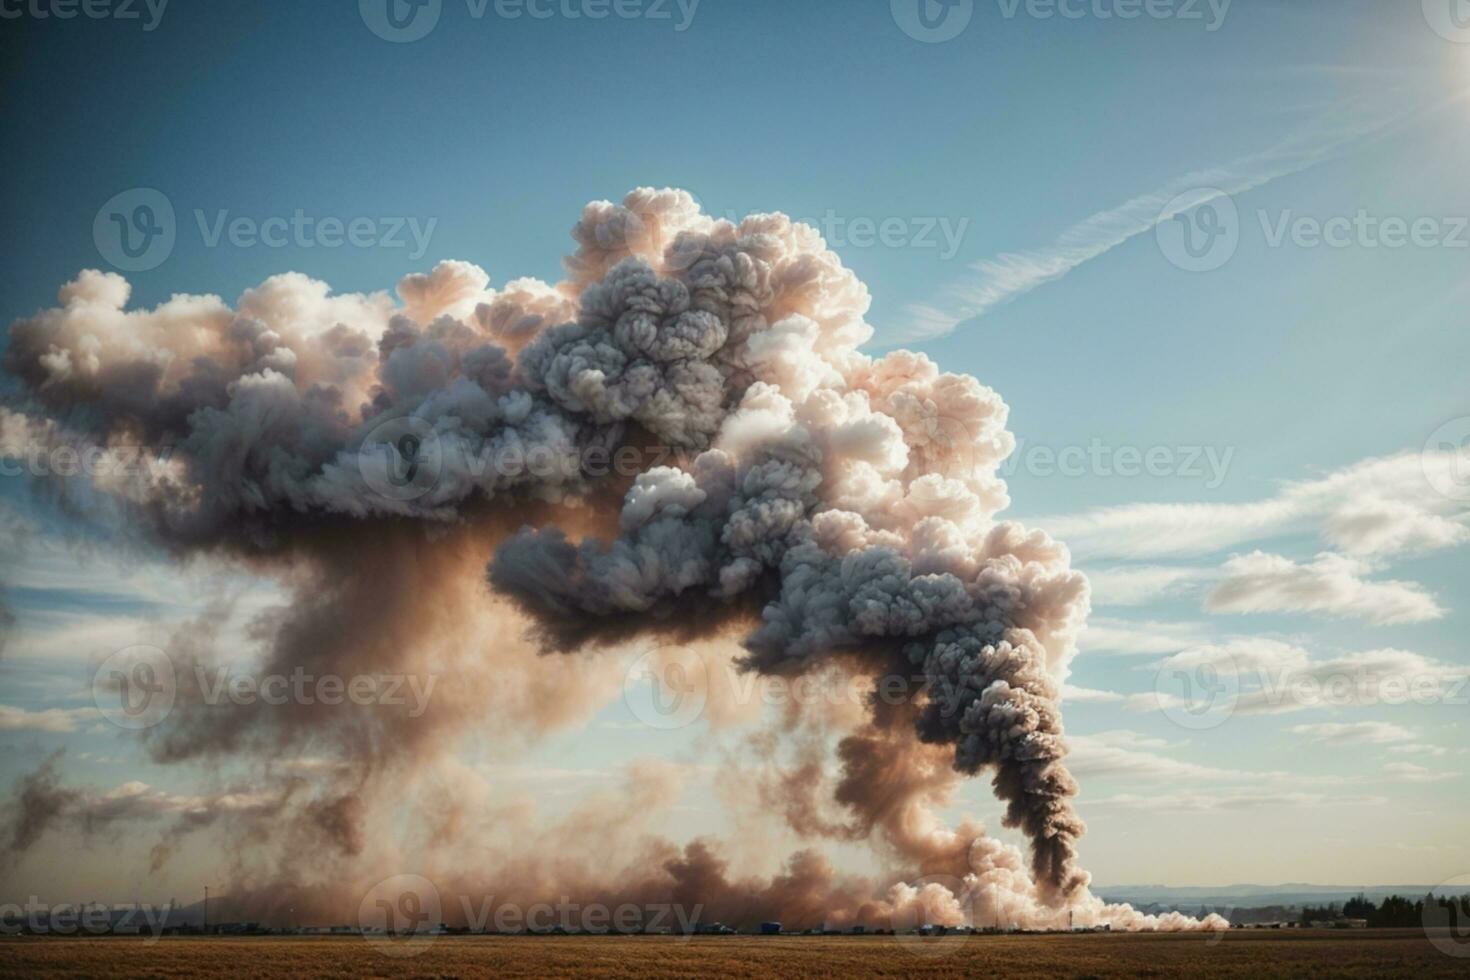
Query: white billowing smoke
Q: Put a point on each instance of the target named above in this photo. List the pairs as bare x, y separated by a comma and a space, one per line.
840, 508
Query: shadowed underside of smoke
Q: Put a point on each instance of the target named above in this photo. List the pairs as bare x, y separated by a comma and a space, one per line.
837, 506
987, 693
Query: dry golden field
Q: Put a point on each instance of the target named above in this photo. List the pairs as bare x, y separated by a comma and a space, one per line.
1247, 954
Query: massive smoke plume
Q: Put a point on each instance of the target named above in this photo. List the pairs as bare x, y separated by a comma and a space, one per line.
383, 459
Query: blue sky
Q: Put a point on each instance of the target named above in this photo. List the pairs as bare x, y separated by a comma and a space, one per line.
1290, 365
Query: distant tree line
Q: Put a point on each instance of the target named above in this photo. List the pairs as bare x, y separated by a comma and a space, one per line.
1396, 912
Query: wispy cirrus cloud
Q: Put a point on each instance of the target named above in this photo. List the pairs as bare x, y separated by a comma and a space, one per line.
56, 721
1275, 677
1408, 772
1421, 749
1004, 277
1375, 526
1142, 703
1126, 637
1380, 506
1331, 584
1203, 802
1087, 695
1141, 584
1354, 733
1128, 754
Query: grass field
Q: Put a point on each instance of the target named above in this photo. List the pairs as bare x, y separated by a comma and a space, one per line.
1387, 953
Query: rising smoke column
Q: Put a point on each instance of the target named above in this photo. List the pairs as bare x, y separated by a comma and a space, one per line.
853, 498
844, 506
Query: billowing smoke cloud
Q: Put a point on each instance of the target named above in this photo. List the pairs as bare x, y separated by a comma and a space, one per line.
39, 799
681, 439
852, 498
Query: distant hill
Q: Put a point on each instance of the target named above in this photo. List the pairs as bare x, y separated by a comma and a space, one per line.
1233, 896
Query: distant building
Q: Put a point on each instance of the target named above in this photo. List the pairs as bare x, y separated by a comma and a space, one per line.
770, 928
1339, 923
235, 928
715, 929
